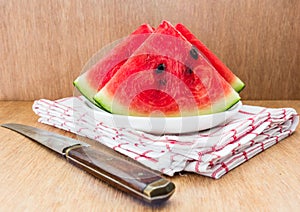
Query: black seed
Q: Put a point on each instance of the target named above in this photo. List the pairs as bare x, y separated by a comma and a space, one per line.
194, 52
189, 71
162, 82
160, 68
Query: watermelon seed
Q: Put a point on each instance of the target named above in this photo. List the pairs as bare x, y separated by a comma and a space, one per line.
160, 68
189, 71
194, 52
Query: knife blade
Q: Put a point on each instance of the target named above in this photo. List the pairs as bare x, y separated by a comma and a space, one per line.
122, 174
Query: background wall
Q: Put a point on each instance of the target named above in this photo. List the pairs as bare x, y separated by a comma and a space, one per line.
45, 44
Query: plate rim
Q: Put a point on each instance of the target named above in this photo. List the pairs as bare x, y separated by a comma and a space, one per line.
143, 124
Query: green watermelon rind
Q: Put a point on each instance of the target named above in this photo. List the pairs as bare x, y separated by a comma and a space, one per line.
238, 85
86, 91
105, 101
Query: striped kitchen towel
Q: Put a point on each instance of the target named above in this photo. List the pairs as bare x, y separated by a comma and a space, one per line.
212, 152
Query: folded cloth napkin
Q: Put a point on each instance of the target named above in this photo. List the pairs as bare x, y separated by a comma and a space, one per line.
211, 153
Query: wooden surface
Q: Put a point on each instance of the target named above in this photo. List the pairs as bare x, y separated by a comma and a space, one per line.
44, 44
33, 178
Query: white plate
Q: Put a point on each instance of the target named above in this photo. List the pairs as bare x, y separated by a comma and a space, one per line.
164, 125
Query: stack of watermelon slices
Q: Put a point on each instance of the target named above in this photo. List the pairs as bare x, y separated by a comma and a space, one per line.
165, 71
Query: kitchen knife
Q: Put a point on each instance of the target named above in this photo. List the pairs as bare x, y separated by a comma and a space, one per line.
122, 174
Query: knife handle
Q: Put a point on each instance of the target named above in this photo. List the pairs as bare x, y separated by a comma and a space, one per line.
124, 175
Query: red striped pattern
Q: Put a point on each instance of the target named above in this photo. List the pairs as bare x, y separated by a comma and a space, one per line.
210, 153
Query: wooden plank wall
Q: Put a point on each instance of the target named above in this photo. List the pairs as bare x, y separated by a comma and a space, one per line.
45, 44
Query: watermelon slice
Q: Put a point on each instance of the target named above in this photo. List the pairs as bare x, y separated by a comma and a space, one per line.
90, 82
166, 76
223, 70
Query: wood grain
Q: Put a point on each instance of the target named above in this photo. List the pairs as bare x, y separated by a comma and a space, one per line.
33, 178
45, 44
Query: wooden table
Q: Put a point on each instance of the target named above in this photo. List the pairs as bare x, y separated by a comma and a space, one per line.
35, 178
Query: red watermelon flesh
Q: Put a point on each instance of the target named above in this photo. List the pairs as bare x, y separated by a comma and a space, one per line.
90, 82
223, 70
166, 76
